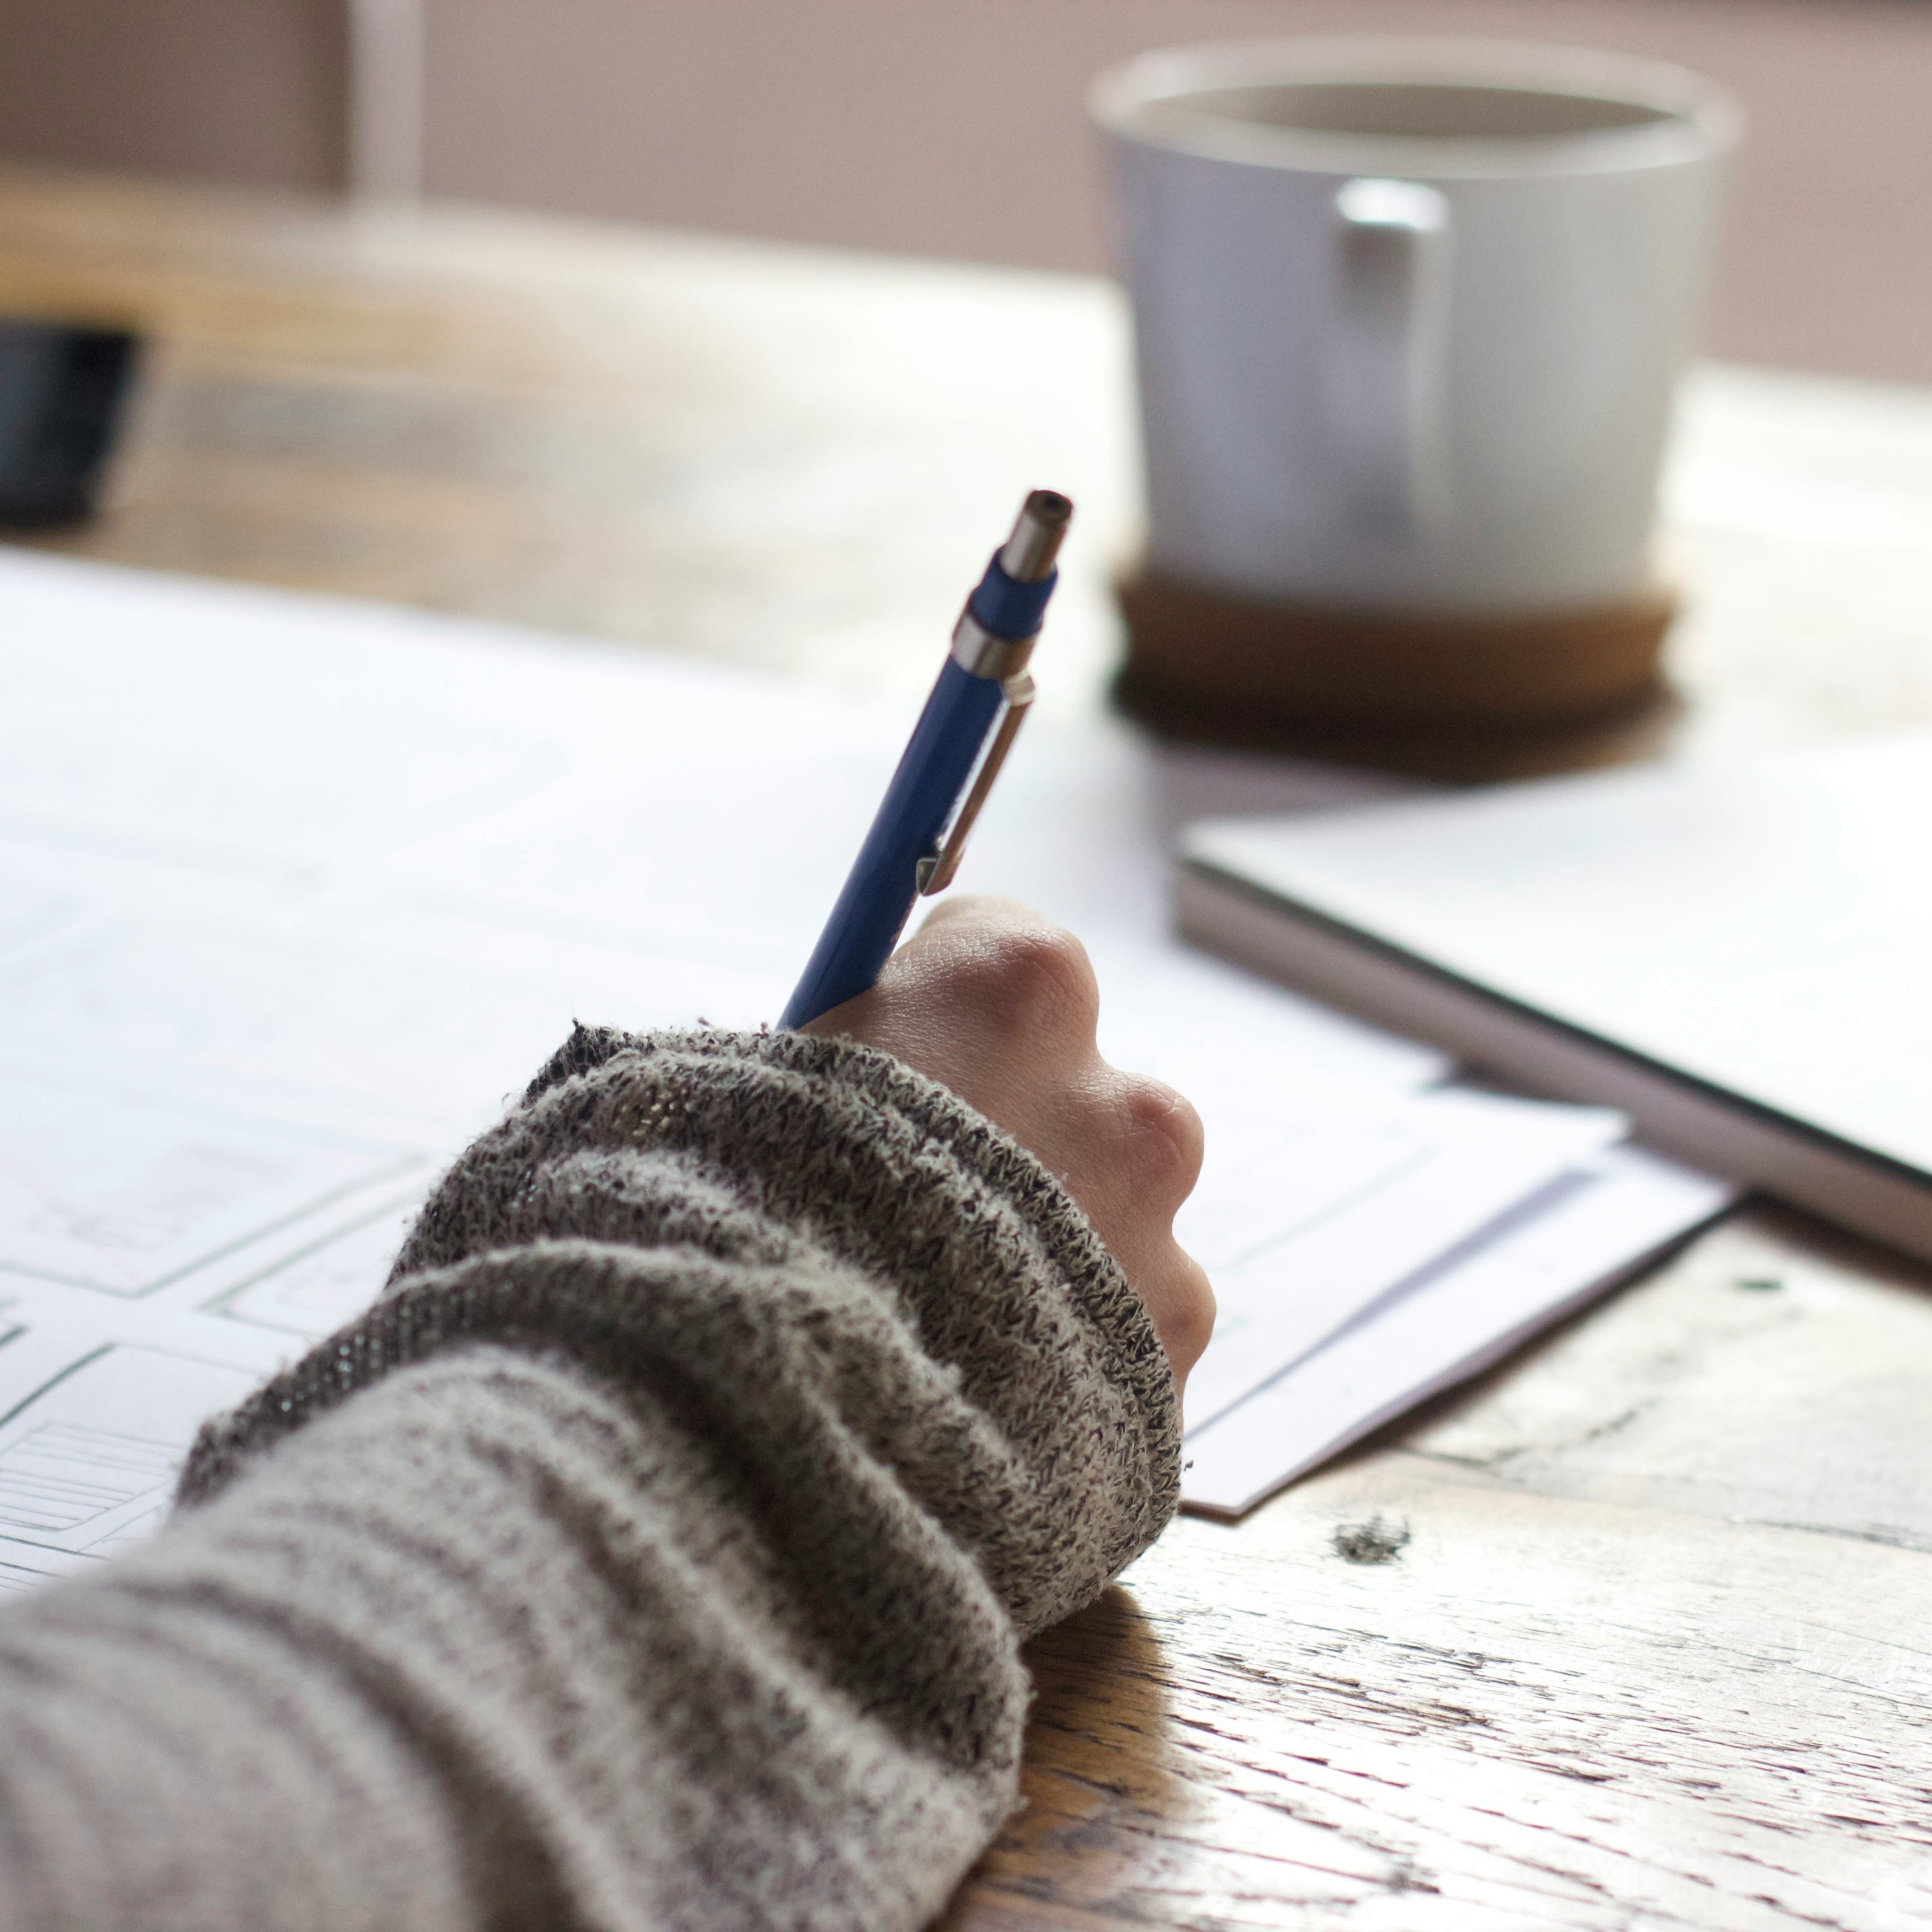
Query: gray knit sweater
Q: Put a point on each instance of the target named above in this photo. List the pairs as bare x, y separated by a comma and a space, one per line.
654, 1553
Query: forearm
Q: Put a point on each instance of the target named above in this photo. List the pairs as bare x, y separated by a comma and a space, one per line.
656, 1558
494, 1645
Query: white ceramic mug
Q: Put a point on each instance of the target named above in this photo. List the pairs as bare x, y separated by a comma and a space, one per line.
1408, 314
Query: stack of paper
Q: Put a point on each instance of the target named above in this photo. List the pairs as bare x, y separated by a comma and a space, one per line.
1375, 1231
294, 894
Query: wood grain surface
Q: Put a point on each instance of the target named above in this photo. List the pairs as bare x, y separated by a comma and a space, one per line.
1650, 1642
1654, 1654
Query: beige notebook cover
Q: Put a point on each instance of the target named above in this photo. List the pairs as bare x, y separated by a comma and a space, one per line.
1742, 960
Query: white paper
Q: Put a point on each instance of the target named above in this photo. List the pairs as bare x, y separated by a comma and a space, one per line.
1428, 1174
110, 1189
1586, 1231
323, 1286
99, 1401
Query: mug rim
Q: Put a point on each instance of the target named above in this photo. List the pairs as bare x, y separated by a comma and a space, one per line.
1135, 101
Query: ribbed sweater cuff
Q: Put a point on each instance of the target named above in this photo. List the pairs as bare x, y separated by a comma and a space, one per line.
787, 1152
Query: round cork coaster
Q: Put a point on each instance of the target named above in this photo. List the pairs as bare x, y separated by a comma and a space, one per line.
1206, 665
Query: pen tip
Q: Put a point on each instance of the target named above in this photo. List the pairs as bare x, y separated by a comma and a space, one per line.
1027, 555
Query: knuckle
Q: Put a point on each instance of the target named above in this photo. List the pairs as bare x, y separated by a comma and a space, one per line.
1036, 973
1191, 1325
1165, 1132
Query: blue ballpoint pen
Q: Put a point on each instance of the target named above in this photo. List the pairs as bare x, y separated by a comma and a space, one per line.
963, 735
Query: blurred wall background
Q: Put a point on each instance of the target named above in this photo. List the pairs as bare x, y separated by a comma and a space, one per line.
954, 127
251, 90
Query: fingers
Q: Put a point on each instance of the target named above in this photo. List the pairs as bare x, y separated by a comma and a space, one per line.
1162, 1141
990, 1000
1001, 1005
1137, 1157
1012, 968
1181, 1300
974, 909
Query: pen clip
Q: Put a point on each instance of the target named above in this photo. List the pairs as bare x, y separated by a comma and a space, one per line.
937, 871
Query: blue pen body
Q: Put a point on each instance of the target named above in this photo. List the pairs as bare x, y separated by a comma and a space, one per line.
872, 908
990, 644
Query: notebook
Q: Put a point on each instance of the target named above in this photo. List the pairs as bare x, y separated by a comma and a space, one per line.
1739, 960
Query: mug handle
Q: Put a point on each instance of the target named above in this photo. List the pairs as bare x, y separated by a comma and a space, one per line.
1387, 351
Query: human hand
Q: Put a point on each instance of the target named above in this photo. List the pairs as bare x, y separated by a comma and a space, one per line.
993, 1002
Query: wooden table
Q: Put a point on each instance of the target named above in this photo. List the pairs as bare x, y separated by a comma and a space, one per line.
1657, 1650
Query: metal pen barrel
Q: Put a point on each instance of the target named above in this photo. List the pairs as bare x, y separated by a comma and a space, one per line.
1028, 556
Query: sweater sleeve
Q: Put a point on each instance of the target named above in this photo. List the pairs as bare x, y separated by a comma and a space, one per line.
655, 1552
